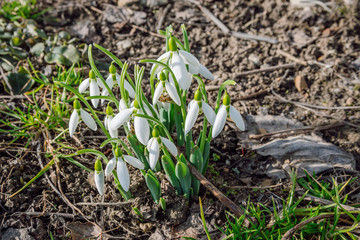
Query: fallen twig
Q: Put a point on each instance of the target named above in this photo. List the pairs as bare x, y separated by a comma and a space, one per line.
291, 57
147, 31
104, 203
253, 37
268, 69
162, 17
218, 194
289, 132
291, 232
49, 214
328, 202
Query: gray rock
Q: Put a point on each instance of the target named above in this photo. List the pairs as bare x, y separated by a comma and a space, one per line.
16, 234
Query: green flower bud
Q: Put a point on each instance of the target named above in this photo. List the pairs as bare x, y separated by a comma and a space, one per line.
98, 166
226, 99
92, 74
155, 133
112, 69
172, 44
76, 104
118, 152
162, 76
198, 95
136, 104
109, 110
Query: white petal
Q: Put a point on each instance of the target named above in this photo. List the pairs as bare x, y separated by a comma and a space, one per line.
194, 69
84, 85
122, 105
208, 112
236, 117
108, 81
100, 83
142, 129
153, 153
170, 146
110, 166
73, 122
219, 121
189, 58
94, 91
190, 103
129, 88
134, 161
149, 143
180, 72
205, 72
158, 91
120, 118
163, 58
88, 120
100, 182
106, 122
123, 175
173, 93
114, 133
191, 117
166, 106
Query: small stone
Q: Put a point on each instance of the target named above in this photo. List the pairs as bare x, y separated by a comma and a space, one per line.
124, 44
300, 83
349, 101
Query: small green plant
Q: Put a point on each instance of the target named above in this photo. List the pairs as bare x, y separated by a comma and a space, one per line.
298, 219
14, 10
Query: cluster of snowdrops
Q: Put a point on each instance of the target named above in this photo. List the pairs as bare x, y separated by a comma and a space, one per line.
156, 128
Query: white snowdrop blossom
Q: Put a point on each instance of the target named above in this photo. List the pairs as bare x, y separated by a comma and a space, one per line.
94, 87
141, 125
155, 144
114, 79
121, 168
109, 116
195, 106
75, 118
226, 110
99, 177
177, 60
165, 87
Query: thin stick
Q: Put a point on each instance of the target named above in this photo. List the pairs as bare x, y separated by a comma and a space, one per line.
254, 37
291, 57
328, 202
212, 17
12, 97
104, 203
268, 69
162, 17
48, 214
6, 81
218, 194
289, 132
291, 232
147, 31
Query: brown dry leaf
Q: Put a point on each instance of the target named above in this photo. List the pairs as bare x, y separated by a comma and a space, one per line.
326, 32
300, 83
86, 230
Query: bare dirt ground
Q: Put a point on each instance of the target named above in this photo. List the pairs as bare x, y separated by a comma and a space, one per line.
316, 49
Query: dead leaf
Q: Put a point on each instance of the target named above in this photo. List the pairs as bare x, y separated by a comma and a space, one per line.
326, 32
300, 83
304, 152
80, 231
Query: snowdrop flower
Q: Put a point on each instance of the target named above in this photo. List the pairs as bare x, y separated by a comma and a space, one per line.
99, 177
226, 110
178, 59
94, 87
109, 116
75, 118
165, 87
141, 125
195, 106
121, 168
155, 144
112, 80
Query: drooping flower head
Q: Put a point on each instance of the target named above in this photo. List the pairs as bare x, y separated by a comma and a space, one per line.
94, 87
109, 116
195, 106
121, 168
154, 146
183, 64
99, 177
75, 118
141, 125
226, 110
